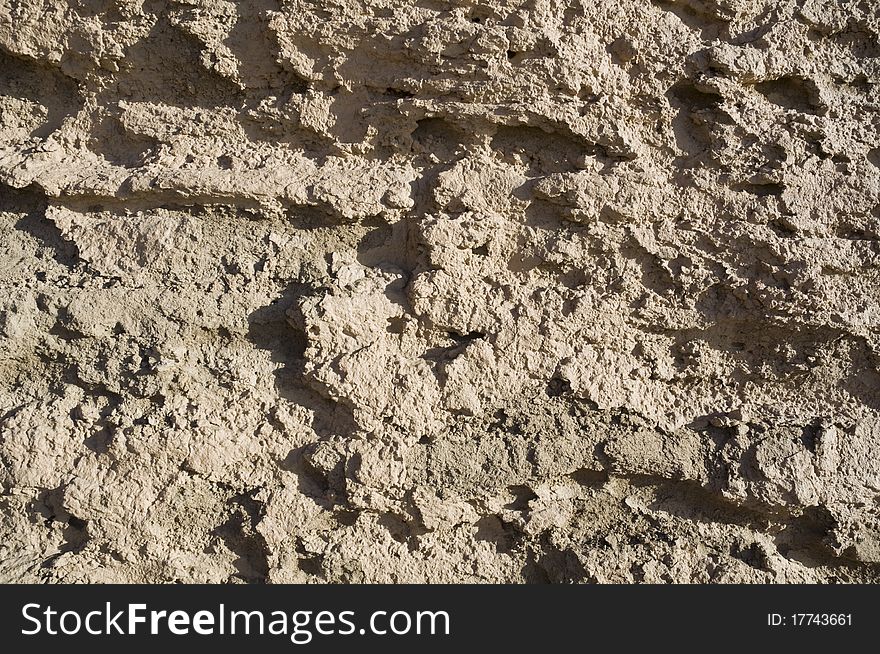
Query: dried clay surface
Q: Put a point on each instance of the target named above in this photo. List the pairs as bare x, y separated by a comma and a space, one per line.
435, 291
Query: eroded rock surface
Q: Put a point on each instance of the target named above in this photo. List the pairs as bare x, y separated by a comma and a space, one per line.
386, 291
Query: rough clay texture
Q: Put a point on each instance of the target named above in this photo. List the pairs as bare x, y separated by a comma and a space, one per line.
407, 291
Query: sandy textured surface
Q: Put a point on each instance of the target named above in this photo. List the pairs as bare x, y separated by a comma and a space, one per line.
386, 291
